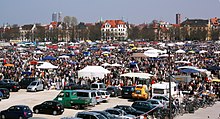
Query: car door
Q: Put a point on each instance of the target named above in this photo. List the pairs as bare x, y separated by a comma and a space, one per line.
13, 112
67, 98
44, 107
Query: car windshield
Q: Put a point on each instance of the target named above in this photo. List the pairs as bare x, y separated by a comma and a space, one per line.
61, 94
33, 83
94, 86
138, 91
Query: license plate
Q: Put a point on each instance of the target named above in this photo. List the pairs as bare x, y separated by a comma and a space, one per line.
126, 92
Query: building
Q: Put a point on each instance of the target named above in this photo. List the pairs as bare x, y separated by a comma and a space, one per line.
114, 30
178, 18
196, 29
54, 17
60, 17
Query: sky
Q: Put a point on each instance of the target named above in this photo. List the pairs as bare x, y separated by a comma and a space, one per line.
90, 11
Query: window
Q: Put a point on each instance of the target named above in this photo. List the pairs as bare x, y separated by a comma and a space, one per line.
93, 94
138, 91
158, 91
94, 85
82, 94
61, 94
67, 94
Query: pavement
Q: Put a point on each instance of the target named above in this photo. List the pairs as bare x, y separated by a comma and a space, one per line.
204, 113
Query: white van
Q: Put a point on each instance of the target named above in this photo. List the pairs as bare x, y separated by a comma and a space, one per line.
162, 88
36, 85
91, 94
98, 86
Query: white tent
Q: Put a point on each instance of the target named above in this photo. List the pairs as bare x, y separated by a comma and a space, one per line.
106, 64
138, 75
47, 65
38, 52
202, 51
180, 51
64, 56
93, 71
116, 65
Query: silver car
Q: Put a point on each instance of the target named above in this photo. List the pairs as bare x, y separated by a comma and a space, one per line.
36, 85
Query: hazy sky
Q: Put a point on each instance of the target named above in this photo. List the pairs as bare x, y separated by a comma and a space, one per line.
135, 11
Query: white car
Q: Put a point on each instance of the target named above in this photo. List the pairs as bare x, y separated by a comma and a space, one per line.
105, 95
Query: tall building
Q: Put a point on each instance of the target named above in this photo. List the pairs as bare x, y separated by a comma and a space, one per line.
178, 18
60, 17
54, 17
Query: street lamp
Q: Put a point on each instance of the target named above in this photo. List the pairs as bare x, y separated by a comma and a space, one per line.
169, 75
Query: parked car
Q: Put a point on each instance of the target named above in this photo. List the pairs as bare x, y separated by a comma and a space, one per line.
114, 91
98, 86
49, 107
155, 102
71, 99
1, 95
98, 96
141, 92
144, 106
129, 110
90, 115
106, 114
127, 91
9, 84
87, 94
17, 112
119, 113
36, 85
5, 92
104, 95
24, 83
162, 98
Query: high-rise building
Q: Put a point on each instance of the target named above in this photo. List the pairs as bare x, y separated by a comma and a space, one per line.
60, 17
54, 17
178, 18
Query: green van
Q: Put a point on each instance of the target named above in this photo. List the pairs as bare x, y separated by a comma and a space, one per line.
69, 99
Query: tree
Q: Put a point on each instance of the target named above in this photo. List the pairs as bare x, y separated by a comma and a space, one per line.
215, 33
134, 32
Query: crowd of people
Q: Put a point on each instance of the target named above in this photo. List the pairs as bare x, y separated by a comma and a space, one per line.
22, 60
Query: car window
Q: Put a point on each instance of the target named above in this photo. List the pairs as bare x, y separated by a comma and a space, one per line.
93, 94
61, 94
102, 86
100, 117
82, 94
83, 116
94, 86
12, 108
67, 94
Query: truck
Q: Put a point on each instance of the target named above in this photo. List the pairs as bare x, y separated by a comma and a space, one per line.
162, 88
69, 99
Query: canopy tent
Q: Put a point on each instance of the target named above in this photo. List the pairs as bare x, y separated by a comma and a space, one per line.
139, 55
138, 75
116, 65
106, 64
151, 53
166, 55
49, 58
189, 71
38, 52
93, 71
9, 65
213, 68
64, 56
184, 62
202, 51
180, 51
217, 52
216, 80
47, 65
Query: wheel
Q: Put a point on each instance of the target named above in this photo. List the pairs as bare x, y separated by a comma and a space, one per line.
35, 90
54, 112
3, 116
20, 117
36, 111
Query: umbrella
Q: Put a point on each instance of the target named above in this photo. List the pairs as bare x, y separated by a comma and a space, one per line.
49, 58
116, 65
9, 65
33, 62
106, 64
189, 71
27, 73
216, 80
213, 68
180, 51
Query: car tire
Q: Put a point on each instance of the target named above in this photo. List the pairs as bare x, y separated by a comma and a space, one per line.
20, 117
54, 112
35, 90
3, 116
36, 111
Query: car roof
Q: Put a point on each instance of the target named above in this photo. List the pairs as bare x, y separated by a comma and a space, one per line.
19, 106
94, 113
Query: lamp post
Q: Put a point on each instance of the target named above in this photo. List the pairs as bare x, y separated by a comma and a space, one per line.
169, 76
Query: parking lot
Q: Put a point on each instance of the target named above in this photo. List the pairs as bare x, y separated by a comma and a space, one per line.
33, 98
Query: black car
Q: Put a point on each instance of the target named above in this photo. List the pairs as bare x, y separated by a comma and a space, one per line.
49, 107
105, 114
127, 91
24, 83
90, 115
145, 107
9, 84
114, 91
5, 92
17, 112
130, 110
